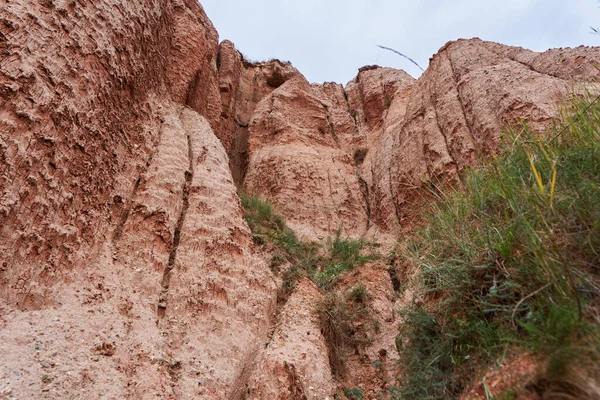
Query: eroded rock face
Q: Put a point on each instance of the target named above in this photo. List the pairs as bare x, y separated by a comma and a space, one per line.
471, 91
217, 298
79, 122
120, 225
400, 132
175, 298
371, 93
297, 162
242, 86
126, 267
386, 133
295, 364
371, 366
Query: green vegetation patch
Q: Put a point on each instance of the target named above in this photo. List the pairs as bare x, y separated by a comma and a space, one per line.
513, 260
322, 263
353, 394
343, 255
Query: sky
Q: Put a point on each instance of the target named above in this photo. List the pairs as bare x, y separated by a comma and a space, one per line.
328, 40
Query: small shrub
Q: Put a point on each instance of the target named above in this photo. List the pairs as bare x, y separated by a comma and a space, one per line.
323, 264
342, 255
290, 276
345, 323
376, 327
358, 294
277, 260
353, 394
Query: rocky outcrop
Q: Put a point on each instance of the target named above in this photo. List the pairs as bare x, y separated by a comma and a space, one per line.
217, 298
329, 130
120, 227
295, 363
175, 300
296, 161
457, 110
243, 85
385, 134
371, 93
380, 95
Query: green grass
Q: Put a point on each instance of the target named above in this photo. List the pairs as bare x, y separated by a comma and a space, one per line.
353, 394
343, 255
359, 294
323, 263
269, 227
513, 260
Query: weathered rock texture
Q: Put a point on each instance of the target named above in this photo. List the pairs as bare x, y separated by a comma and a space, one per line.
386, 133
78, 87
126, 267
370, 366
242, 86
120, 225
457, 110
295, 363
297, 163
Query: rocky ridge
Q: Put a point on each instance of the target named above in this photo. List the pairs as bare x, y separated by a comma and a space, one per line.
126, 267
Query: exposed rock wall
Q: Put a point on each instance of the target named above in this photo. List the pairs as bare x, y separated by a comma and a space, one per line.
242, 86
471, 91
296, 161
176, 305
391, 133
78, 82
295, 364
371, 365
217, 298
120, 225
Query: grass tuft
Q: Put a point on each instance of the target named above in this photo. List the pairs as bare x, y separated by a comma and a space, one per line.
510, 261
323, 263
269, 227
353, 394
359, 294
343, 255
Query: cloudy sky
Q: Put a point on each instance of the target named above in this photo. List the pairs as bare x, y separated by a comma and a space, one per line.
328, 40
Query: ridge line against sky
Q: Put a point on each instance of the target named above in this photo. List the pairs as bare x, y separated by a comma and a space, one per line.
330, 40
